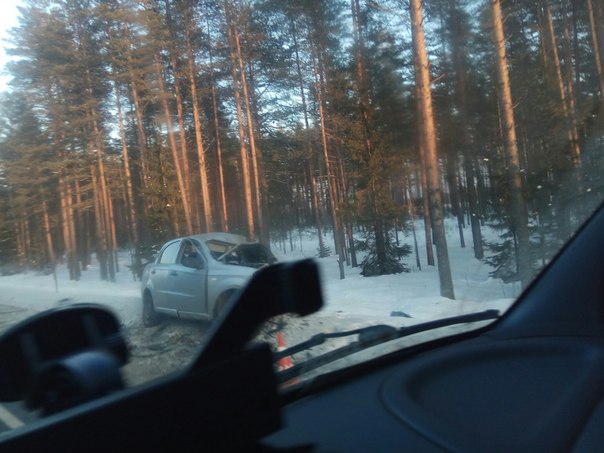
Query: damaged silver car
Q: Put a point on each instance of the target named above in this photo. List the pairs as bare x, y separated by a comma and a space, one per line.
195, 276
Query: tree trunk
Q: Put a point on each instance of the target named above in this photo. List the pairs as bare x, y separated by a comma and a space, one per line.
565, 102
49, 244
131, 207
309, 149
83, 244
368, 145
224, 217
142, 136
104, 195
256, 153
201, 154
335, 208
429, 139
184, 155
247, 182
519, 218
460, 64
184, 196
73, 258
571, 99
101, 241
595, 23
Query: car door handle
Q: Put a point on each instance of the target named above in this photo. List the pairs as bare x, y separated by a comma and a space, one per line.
174, 273
153, 271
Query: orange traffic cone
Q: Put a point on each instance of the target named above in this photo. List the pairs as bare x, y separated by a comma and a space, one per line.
285, 362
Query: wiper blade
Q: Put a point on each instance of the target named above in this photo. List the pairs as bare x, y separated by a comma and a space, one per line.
368, 337
379, 333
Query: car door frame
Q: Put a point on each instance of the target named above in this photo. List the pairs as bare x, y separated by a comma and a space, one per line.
188, 285
161, 283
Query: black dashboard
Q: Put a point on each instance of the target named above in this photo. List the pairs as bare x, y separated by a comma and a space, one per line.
531, 381
482, 394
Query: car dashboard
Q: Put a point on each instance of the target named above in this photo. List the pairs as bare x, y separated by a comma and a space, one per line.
481, 394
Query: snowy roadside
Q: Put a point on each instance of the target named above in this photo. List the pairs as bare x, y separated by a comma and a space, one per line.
23, 295
397, 300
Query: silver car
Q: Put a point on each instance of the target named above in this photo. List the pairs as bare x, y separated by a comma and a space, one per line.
194, 276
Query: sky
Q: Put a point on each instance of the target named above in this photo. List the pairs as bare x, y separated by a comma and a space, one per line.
8, 19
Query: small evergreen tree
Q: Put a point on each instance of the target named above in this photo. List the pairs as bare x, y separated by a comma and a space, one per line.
504, 253
323, 251
372, 266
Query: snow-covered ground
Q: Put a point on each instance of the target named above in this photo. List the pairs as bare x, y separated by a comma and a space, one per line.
356, 301
356, 298
416, 294
25, 294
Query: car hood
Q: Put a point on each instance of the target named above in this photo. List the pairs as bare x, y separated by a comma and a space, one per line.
235, 250
250, 254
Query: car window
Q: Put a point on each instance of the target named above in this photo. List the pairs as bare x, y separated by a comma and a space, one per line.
219, 248
190, 256
170, 253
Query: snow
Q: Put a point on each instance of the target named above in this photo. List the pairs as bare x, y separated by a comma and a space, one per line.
416, 294
22, 295
356, 301
356, 297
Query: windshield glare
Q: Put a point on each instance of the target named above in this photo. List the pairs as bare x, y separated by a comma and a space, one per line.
431, 156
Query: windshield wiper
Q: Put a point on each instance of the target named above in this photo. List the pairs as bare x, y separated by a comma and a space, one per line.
367, 337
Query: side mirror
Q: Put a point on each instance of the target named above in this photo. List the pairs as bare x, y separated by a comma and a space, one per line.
62, 357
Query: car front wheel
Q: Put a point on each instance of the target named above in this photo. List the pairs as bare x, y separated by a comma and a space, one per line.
150, 316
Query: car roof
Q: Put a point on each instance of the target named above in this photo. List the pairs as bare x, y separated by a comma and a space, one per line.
222, 237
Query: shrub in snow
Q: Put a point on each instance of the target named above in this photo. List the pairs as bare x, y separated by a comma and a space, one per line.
390, 263
324, 251
503, 253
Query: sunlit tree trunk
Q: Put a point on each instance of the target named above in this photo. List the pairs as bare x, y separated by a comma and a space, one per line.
184, 196
245, 164
103, 187
255, 151
422, 78
67, 226
131, 207
423, 182
74, 265
201, 153
140, 125
101, 229
49, 242
83, 244
224, 216
335, 206
178, 97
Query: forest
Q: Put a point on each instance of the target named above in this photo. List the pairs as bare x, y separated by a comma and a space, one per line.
130, 122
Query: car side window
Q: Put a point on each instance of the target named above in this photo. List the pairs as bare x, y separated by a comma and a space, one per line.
169, 254
190, 256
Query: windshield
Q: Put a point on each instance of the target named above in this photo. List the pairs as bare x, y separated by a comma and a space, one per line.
432, 157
